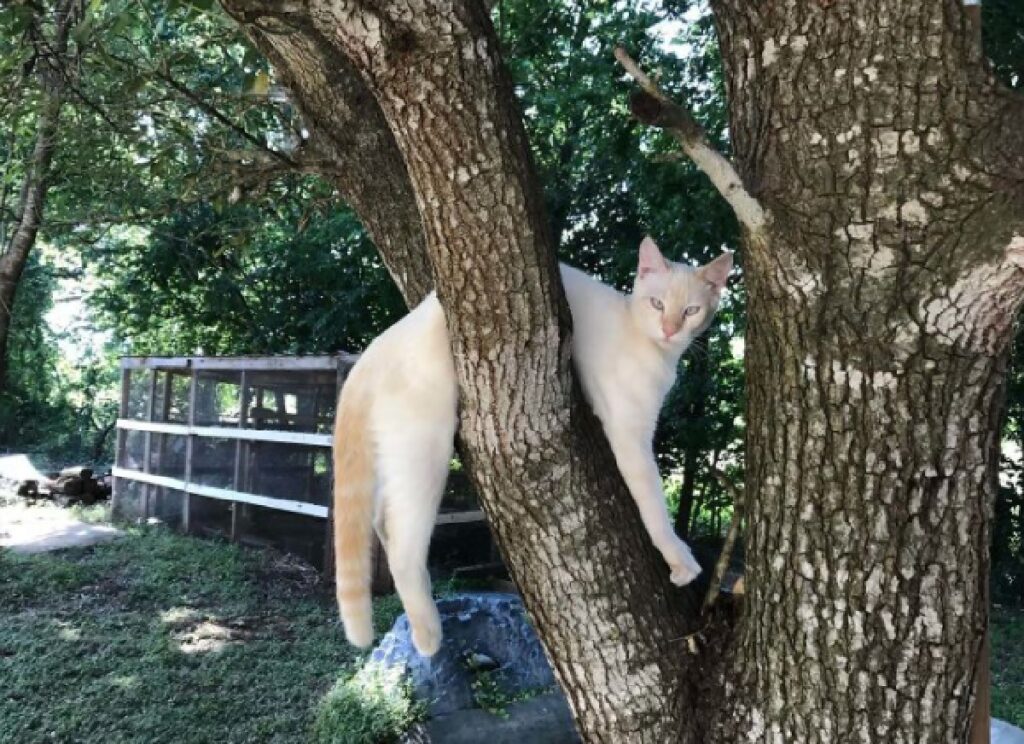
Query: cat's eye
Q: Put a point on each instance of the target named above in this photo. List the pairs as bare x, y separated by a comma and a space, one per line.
657, 304
691, 310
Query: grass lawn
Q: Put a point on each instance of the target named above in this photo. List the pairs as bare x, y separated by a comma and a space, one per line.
158, 638
1008, 665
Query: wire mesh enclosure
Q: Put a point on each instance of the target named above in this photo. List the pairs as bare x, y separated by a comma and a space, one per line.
240, 447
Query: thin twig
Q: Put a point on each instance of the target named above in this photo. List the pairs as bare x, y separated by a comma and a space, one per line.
633, 69
725, 557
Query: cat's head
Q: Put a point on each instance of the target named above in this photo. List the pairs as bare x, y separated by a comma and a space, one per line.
674, 303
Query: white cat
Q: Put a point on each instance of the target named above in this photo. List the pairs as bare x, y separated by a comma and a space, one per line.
397, 416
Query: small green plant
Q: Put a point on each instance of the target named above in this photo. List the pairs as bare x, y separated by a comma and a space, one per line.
492, 696
374, 707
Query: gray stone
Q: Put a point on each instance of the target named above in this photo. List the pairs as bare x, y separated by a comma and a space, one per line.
1004, 733
475, 626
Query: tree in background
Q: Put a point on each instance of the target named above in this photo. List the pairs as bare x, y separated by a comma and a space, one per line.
38, 59
155, 103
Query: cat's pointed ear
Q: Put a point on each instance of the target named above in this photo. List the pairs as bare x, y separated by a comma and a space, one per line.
651, 260
716, 272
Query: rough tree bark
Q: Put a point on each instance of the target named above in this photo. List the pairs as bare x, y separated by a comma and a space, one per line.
595, 588
52, 71
878, 184
881, 296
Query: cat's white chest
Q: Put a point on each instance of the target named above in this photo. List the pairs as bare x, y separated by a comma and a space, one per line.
625, 391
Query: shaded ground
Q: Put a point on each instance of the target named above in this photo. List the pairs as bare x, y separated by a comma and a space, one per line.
161, 638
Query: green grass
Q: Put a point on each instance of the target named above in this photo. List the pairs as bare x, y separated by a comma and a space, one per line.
1008, 665
159, 638
162, 638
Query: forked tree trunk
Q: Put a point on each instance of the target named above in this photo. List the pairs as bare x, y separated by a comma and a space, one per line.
596, 590
881, 195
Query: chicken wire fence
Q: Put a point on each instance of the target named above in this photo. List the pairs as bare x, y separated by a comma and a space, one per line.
240, 447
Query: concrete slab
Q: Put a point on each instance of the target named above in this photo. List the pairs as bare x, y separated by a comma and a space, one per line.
1004, 733
40, 528
541, 720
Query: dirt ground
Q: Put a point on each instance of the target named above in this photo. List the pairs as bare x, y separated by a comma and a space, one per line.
37, 527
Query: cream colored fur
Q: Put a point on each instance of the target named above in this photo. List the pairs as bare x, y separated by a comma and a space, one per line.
398, 410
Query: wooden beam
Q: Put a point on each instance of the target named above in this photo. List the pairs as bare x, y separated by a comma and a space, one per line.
186, 507
229, 432
236, 478
121, 436
147, 456
129, 362
224, 494
461, 517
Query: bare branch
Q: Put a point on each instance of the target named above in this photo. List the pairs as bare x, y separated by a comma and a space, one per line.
221, 117
652, 107
715, 589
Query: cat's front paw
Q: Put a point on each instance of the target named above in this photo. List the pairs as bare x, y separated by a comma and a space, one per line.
683, 565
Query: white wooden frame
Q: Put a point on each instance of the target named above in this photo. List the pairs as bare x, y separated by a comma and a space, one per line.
227, 432
236, 432
224, 494
190, 366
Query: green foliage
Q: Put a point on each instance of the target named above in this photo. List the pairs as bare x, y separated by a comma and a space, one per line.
491, 695
282, 275
373, 707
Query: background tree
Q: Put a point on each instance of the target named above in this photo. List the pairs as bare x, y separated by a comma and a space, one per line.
38, 57
156, 103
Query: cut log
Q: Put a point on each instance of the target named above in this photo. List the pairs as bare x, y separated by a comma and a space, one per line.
78, 471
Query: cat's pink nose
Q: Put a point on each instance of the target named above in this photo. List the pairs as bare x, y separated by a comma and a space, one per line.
669, 330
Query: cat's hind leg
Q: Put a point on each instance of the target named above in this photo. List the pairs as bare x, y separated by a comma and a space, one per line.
413, 470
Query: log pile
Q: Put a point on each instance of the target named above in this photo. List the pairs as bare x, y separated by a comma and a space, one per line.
77, 484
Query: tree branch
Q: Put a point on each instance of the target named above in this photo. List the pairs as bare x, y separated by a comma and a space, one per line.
724, 558
348, 130
652, 107
221, 117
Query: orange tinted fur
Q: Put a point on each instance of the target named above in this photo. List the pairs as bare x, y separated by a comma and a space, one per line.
353, 512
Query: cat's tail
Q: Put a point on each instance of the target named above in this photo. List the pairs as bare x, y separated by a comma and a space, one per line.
353, 511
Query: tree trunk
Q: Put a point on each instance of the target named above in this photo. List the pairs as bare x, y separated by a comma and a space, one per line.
881, 299
37, 178
597, 591
882, 267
